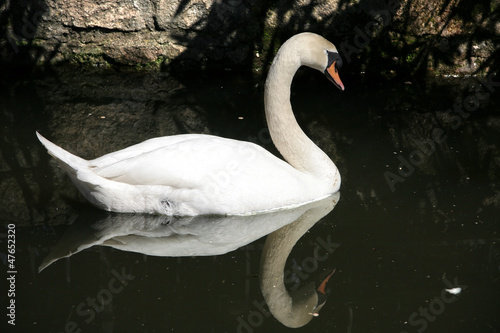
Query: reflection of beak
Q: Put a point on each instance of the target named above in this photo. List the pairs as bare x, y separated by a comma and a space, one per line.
322, 286
332, 74
322, 294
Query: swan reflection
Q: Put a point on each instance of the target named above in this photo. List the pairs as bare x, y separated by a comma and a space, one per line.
213, 235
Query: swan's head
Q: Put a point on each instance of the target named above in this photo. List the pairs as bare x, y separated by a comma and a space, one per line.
318, 53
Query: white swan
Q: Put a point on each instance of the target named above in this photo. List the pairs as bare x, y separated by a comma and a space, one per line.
195, 174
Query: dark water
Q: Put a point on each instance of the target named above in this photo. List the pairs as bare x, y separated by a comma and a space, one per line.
418, 212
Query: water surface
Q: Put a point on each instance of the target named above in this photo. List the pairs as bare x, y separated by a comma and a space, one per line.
418, 210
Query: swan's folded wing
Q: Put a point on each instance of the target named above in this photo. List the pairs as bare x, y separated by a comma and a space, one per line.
186, 164
142, 148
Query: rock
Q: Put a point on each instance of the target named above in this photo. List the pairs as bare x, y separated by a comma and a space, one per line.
119, 15
229, 34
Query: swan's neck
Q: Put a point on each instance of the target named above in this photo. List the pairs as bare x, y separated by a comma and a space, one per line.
293, 144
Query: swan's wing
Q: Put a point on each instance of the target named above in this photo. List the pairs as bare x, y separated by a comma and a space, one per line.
188, 163
142, 148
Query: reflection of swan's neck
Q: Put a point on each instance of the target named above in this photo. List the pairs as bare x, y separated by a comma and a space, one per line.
288, 137
291, 309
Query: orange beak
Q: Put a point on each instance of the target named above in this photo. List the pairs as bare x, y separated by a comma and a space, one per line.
333, 75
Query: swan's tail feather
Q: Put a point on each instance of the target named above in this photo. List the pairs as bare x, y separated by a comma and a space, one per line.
69, 162
77, 169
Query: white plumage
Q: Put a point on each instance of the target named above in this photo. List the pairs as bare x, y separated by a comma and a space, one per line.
194, 174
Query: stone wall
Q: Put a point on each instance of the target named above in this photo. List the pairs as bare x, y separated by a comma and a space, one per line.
385, 36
